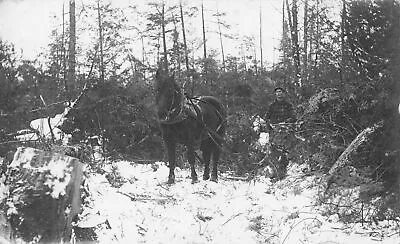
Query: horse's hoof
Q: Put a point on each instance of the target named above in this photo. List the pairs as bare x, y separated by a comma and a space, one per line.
171, 181
194, 179
206, 177
214, 179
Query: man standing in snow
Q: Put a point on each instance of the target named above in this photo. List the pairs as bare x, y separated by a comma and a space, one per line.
280, 111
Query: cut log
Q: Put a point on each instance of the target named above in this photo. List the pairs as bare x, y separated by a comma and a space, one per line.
344, 158
43, 195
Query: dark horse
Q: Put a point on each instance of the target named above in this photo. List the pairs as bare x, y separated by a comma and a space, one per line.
193, 122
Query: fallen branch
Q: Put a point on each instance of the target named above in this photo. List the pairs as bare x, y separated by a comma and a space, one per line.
145, 198
294, 225
210, 194
396, 233
162, 186
132, 197
344, 158
237, 178
143, 161
33, 110
234, 216
141, 229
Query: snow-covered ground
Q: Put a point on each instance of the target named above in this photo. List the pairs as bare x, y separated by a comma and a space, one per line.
147, 210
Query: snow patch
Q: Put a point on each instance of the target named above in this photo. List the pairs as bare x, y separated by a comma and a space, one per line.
147, 210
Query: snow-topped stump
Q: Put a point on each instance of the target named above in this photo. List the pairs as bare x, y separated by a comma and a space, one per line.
43, 195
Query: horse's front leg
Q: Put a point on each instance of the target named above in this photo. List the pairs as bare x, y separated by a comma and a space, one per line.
206, 158
171, 160
191, 159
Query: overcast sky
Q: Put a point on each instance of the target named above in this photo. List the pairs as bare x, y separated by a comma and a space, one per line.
28, 23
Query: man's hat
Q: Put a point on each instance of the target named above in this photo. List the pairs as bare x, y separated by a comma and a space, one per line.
279, 88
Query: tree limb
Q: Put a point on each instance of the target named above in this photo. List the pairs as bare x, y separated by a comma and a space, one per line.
344, 158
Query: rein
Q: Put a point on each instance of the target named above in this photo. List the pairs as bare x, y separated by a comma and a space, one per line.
180, 116
199, 100
211, 133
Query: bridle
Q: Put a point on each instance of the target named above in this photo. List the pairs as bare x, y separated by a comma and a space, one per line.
170, 118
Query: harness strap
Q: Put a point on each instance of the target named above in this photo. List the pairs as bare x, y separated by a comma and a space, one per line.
180, 116
211, 133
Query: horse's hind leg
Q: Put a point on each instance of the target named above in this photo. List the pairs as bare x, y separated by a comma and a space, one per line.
215, 158
206, 157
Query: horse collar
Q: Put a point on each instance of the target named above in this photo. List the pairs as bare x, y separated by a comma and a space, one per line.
187, 108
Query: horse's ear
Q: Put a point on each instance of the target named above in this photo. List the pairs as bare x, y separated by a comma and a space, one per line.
158, 73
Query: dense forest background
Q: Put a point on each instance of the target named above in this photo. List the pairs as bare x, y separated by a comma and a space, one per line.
339, 64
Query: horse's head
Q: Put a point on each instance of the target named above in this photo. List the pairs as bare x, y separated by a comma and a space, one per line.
169, 97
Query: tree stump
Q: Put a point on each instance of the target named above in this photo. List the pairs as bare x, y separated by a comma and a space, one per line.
43, 195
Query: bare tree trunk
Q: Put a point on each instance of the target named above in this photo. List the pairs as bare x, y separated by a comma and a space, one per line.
177, 54
311, 31
59, 61
293, 23
193, 80
72, 43
164, 38
63, 51
296, 49
286, 42
158, 48
220, 40
222, 49
101, 54
316, 45
289, 54
342, 40
255, 59
204, 37
284, 34
305, 40
184, 39
244, 57
289, 16
143, 50
261, 46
